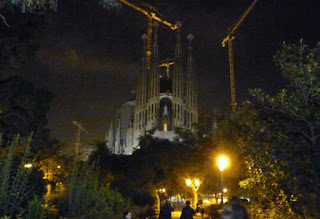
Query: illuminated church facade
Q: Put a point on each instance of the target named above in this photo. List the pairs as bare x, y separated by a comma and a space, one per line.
164, 101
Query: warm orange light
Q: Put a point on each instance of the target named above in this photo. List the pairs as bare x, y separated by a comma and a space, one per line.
222, 162
28, 165
206, 201
163, 190
165, 127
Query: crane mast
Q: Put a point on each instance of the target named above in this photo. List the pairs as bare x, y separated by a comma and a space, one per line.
77, 141
229, 39
232, 83
151, 16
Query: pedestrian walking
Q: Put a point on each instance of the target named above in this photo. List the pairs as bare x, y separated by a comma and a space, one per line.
234, 210
187, 211
239, 211
213, 212
227, 212
165, 210
202, 212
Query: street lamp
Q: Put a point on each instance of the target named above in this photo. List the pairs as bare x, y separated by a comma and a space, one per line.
222, 163
158, 192
28, 165
195, 185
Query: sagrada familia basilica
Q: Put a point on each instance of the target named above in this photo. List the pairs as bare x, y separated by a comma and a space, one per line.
164, 101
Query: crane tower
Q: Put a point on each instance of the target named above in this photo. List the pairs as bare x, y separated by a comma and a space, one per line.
77, 141
229, 39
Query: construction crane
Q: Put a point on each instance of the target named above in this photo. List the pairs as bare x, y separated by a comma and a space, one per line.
229, 39
151, 14
77, 142
166, 63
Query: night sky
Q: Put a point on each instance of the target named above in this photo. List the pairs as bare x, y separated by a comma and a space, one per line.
90, 57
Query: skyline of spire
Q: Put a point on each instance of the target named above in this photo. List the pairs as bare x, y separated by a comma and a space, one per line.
162, 104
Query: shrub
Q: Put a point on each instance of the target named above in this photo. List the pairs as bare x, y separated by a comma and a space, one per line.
87, 197
18, 185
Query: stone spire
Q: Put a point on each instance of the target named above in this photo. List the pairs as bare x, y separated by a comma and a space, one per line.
110, 139
154, 71
191, 99
141, 94
191, 90
178, 67
118, 141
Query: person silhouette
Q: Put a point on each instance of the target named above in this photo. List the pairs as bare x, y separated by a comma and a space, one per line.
165, 211
238, 210
187, 211
234, 210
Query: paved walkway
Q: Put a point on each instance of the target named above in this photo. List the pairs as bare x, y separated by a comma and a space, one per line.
177, 214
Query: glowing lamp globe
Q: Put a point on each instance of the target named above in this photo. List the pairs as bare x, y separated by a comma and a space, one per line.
222, 162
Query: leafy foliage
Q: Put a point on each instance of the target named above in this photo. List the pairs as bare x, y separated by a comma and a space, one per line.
30, 5
109, 3
157, 164
35, 209
278, 137
54, 166
23, 109
164, 164
20, 42
18, 184
36, 5
87, 196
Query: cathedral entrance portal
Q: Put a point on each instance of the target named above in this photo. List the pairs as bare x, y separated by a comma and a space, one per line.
166, 114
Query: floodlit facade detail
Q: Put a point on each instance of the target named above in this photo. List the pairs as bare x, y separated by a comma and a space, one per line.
164, 100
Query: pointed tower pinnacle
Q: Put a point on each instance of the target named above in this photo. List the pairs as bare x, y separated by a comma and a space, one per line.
190, 62
190, 78
178, 66
118, 138
154, 71
141, 94
191, 89
110, 138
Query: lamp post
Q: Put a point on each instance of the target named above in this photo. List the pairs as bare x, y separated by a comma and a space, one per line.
195, 185
222, 163
158, 192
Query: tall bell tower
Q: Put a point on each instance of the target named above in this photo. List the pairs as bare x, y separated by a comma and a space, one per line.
191, 98
164, 101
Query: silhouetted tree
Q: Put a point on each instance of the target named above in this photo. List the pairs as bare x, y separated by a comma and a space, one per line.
278, 139
23, 109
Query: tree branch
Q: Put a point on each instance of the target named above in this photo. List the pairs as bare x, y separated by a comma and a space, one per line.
4, 20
